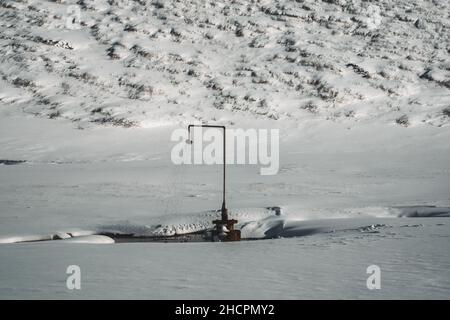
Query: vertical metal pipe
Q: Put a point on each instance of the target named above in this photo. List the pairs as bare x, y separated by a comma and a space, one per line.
224, 163
224, 208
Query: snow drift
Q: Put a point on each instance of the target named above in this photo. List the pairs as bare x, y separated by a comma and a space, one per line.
254, 223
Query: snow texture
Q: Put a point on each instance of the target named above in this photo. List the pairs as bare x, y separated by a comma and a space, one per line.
358, 89
147, 63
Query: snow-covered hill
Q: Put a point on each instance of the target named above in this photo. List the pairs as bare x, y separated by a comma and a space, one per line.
145, 63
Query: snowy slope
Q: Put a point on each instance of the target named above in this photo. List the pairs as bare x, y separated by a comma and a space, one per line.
147, 63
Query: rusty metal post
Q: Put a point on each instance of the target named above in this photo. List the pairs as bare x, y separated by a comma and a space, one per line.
233, 235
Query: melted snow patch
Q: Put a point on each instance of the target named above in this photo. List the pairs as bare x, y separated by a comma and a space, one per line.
186, 223
254, 223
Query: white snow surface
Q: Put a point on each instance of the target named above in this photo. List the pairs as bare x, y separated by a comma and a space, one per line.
368, 199
358, 89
